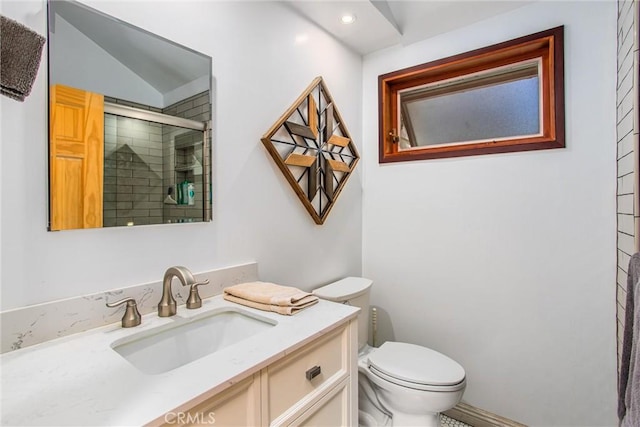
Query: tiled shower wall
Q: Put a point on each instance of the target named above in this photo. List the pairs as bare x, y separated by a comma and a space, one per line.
627, 158
198, 108
133, 169
140, 157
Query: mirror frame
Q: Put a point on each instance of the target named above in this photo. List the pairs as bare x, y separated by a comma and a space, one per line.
547, 45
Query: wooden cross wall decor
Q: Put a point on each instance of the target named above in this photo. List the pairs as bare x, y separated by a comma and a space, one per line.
312, 147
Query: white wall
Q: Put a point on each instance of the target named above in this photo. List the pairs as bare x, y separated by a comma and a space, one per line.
507, 262
259, 70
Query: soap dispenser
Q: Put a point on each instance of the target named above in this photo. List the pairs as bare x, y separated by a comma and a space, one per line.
184, 187
191, 194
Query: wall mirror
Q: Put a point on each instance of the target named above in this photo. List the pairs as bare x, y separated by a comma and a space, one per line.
502, 98
129, 124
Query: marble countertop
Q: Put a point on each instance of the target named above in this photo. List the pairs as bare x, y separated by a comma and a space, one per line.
81, 380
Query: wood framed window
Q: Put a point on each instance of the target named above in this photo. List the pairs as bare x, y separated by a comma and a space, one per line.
502, 98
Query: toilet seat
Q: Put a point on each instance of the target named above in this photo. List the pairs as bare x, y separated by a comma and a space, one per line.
416, 367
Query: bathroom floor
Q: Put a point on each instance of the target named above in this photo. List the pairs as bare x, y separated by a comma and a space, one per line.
450, 422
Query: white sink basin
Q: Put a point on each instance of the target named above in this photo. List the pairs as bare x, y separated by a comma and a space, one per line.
168, 347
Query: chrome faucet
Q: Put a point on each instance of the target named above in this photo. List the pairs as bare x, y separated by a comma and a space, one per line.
167, 305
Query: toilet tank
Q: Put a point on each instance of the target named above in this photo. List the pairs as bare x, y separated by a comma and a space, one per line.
354, 291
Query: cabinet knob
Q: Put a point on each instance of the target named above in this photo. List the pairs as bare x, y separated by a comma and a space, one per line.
313, 372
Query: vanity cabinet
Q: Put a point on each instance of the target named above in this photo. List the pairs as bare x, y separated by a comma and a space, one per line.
238, 406
314, 385
297, 382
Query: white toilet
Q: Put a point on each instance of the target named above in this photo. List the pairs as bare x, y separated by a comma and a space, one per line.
399, 384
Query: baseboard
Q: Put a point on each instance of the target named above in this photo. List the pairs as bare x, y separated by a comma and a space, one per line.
477, 417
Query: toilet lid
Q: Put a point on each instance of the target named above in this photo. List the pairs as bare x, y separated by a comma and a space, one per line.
416, 364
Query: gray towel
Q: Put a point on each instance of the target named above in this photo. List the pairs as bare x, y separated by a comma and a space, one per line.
20, 53
629, 380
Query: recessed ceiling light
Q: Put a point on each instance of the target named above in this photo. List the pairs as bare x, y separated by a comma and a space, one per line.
348, 18
301, 38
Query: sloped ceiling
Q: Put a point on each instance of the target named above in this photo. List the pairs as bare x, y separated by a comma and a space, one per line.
381, 23
151, 57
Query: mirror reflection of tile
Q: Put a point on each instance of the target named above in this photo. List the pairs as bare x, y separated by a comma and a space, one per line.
145, 162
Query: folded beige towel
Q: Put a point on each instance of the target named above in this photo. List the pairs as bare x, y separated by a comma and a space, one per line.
270, 297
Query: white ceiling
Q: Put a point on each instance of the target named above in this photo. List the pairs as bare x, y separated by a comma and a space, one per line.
384, 23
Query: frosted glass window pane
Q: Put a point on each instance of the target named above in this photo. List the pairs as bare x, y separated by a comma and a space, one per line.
507, 109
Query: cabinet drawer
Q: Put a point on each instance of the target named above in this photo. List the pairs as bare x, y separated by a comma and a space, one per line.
330, 411
310, 369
